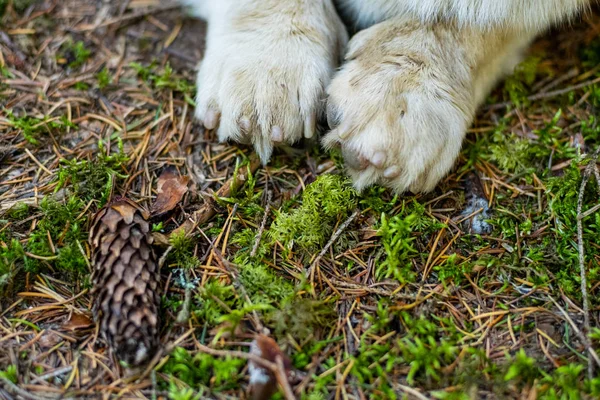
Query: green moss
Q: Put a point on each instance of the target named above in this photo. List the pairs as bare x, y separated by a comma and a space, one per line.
521, 368
10, 374
301, 318
516, 86
263, 286
325, 201
63, 223
165, 79
33, 128
213, 301
11, 260
397, 241
93, 179
103, 77
19, 211
563, 194
203, 370
82, 86
182, 254
75, 54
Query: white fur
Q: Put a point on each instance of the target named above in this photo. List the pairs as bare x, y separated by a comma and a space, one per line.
486, 14
401, 103
266, 68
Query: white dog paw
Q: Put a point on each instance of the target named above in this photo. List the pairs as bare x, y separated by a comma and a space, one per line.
263, 78
399, 108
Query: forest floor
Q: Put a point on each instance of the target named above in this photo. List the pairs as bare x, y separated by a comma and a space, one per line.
470, 292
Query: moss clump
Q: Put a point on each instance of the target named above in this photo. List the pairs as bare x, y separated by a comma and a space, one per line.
74, 54
518, 155
165, 79
301, 318
263, 286
11, 258
516, 86
182, 254
33, 128
64, 225
563, 194
324, 202
203, 370
397, 241
104, 79
215, 300
93, 180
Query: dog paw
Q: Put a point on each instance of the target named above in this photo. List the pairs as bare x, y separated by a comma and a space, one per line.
400, 107
263, 78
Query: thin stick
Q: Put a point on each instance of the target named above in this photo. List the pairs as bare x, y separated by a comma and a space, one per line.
412, 391
208, 210
547, 95
276, 368
12, 388
582, 272
334, 237
578, 332
282, 379
52, 374
262, 226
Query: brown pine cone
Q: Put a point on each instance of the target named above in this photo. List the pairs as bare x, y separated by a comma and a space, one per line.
125, 281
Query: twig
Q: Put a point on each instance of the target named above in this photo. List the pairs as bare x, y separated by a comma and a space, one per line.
540, 96
409, 390
130, 17
276, 368
208, 210
334, 237
52, 374
12, 388
584, 293
578, 332
282, 379
262, 226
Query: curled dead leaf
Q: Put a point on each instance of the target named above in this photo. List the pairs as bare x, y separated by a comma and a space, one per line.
171, 188
263, 383
77, 321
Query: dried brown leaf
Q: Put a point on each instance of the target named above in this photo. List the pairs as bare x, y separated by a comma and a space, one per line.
263, 383
77, 321
171, 188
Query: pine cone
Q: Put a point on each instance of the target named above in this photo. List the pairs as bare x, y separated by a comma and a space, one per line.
125, 281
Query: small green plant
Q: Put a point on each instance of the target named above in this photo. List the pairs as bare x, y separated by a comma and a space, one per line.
521, 367
213, 301
176, 393
74, 54
516, 86
58, 239
93, 180
427, 347
166, 79
11, 260
203, 369
324, 202
397, 240
32, 128
82, 86
103, 77
10, 374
